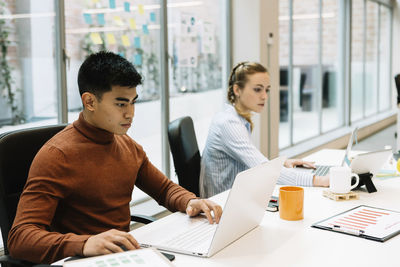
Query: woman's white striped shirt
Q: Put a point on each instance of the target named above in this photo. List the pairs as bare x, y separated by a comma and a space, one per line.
229, 150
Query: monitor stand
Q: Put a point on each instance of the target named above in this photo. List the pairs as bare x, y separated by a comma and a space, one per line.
365, 179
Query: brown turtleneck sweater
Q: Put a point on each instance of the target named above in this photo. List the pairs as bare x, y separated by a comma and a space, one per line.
80, 184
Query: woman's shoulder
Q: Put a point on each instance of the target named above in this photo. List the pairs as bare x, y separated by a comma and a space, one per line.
226, 116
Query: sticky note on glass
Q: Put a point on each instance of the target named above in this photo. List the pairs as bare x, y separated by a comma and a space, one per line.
132, 24
153, 17
100, 19
111, 39
96, 38
125, 40
145, 29
127, 7
141, 9
118, 21
87, 18
112, 4
137, 60
136, 42
95, 1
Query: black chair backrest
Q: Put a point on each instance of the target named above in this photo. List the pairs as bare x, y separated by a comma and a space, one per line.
397, 81
185, 153
303, 78
17, 150
283, 77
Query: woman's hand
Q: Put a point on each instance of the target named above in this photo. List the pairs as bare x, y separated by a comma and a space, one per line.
322, 181
291, 163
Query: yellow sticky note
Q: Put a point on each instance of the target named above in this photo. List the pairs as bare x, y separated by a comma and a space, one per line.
118, 21
132, 24
111, 38
96, 38
141, 9
95, 1
125, 40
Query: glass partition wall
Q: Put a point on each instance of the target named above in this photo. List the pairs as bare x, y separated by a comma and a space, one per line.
196, 47
310, 51
314, 61
28, 76
371, 80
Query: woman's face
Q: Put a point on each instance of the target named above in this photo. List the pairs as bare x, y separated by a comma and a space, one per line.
253, 95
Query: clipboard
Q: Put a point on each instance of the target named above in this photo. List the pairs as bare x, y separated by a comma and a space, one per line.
364, 221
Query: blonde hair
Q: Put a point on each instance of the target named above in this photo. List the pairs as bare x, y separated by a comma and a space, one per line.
239, 76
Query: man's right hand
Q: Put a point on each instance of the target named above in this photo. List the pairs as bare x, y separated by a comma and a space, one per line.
109, 242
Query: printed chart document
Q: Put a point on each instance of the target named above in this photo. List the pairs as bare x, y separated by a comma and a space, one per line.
364, 221
147, 257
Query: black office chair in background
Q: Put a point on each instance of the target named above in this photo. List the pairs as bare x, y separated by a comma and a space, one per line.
185, 153
17, 150
397, 81
283, 95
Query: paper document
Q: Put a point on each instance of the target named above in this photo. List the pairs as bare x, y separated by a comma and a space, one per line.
383, 173
147, 257
364, 221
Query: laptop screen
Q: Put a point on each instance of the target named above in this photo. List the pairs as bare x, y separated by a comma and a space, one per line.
353, 137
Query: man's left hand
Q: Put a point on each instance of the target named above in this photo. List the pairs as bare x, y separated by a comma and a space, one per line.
291, 163
196, 206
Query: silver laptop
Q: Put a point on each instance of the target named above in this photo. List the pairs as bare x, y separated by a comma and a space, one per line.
322, 170
370, 161
243, 211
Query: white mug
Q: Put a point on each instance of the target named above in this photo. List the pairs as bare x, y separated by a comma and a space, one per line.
340, 180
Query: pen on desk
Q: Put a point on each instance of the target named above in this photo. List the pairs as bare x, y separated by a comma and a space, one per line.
355, 232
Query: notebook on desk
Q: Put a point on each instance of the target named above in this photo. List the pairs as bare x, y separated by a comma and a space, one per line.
243, 211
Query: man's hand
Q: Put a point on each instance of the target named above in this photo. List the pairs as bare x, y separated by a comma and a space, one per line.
109, 242
195, 206
291, 163
321, 181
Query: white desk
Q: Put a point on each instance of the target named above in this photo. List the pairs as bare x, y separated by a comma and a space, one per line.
277, 242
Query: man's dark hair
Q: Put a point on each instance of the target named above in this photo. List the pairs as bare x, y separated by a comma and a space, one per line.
102, 70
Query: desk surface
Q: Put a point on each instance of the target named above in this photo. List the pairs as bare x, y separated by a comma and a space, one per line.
277, 242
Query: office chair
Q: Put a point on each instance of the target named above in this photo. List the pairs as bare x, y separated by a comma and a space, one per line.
305, 96
185, 153
397, 81
283, 95
17, 150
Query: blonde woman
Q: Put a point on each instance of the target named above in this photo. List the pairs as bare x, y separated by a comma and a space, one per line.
229, 149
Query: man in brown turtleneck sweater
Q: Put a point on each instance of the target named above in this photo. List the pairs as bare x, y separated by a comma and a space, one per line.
76, 199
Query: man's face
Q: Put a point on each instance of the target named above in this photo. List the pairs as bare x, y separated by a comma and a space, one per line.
115, 110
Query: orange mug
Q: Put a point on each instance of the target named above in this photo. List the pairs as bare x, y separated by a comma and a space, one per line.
291, 199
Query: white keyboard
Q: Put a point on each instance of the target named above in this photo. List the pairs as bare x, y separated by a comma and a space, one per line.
198, 235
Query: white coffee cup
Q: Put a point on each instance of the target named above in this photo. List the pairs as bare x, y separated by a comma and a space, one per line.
340, 180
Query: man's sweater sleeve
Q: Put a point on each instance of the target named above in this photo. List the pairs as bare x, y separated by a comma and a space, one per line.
163, 190
30, 238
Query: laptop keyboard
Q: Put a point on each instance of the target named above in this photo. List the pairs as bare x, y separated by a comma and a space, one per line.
198, 236
321, 170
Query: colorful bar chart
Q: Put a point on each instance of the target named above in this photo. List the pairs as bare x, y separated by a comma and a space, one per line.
367, 221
